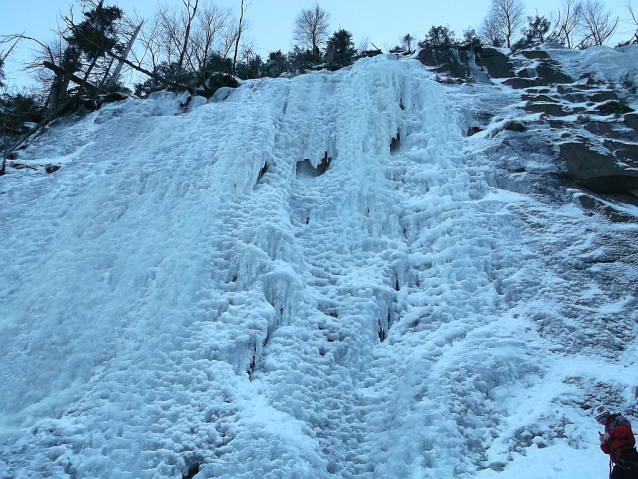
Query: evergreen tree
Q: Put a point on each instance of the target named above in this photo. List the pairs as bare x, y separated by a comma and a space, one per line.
470, 36
341, 49
91, 39
301, 60
407, 42
86, 44
250, 67
97, 33
276, 64
439, 36
534, 34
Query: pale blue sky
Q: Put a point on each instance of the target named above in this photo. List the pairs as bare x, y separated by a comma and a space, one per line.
383, 21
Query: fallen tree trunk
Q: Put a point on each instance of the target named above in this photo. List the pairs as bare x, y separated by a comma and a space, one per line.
60, 72
150, 74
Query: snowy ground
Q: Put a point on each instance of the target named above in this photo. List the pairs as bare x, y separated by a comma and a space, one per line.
169, 305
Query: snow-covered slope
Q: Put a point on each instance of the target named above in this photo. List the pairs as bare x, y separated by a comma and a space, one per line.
188, 295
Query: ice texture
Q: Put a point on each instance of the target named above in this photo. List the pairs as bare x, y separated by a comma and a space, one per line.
304, 278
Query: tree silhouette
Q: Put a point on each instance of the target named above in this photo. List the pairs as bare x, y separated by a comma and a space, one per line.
340, 48
503, 19
311, 28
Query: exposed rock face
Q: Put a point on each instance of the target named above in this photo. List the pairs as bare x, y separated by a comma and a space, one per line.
464, 61
597, 171
552, 109
496, 63
603, 96
522, 83
538, 98
576, 126
536, 55
452, 61
626, 152
632, 120
613, 107
467, 61
547, 73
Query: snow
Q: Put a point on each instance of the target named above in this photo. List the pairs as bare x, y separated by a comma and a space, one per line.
167, 302
606, 63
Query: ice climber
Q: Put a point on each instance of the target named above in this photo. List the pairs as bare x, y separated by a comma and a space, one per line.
618, 441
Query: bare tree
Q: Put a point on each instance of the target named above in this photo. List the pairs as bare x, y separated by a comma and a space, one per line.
490, 32
634, 18
3, 95
240, 30
503, 19
150, 55
311, 28
565, 27
4, 56
364, 44
206, 37
189, 23
406, 41
596, 23
174, 28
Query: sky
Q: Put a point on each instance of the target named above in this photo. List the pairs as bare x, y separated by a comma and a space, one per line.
383, 21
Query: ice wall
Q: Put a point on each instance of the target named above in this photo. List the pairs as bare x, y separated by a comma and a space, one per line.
188, 295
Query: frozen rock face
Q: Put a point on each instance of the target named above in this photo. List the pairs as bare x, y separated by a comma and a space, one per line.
309, 278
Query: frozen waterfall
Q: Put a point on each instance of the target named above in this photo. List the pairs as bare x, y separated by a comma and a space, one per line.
316, 277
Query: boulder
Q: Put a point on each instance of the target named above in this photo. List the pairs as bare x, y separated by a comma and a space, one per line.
112, 98
575, 98
601, 128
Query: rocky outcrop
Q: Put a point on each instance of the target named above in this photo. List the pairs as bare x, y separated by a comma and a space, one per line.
466, 62
583, 129
495, 63
451, 61
553, 109
631, 120
529, 69
595, 170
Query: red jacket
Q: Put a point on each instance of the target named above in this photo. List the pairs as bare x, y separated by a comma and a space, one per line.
621, 437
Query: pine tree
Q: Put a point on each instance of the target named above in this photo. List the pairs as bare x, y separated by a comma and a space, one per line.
92, 38
276, 64
341, 49
534, 34
439, 36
